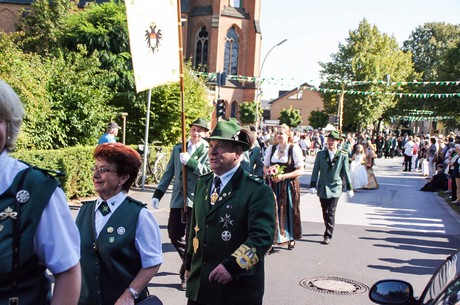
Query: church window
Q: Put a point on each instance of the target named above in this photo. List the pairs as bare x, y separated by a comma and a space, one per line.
232, 46
201, 50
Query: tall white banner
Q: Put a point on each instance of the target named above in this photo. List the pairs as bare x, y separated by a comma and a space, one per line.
154, 42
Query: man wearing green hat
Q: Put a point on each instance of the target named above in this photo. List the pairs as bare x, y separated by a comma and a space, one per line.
196, 162
232, 226
331, 165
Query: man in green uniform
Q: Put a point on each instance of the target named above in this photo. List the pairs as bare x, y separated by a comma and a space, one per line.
331, 165
232, 226
196, 163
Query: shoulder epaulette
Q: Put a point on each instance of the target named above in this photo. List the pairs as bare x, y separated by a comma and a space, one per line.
344, 152
47, 171
87, 202
137, 202
256, 179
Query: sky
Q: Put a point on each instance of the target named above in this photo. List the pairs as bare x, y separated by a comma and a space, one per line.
314, 29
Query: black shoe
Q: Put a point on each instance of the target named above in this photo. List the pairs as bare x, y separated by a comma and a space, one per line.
291, 244
326, 241
183, 285
405, 170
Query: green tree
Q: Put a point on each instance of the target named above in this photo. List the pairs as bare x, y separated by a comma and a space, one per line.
42, 25
367, 55
318, 118
166, 108
248, 112
435, 49
291, 117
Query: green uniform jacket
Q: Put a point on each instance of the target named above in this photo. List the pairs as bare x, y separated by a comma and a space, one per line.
236, 232
330, 174
197, 165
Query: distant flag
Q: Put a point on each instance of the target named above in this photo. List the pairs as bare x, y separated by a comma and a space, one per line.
154, 42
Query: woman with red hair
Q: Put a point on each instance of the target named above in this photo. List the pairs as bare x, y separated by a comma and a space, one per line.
120, 239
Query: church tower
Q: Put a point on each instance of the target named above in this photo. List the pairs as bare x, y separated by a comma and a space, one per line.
224, 36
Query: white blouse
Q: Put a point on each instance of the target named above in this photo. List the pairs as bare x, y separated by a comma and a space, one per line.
297, 156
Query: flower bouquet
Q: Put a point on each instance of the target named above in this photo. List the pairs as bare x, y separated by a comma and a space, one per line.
275, 170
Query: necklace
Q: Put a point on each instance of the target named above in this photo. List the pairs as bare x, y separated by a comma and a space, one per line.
281, 151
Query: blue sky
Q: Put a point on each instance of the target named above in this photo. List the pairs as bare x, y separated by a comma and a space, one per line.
314, 29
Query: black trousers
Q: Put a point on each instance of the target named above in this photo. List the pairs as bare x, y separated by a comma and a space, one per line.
329, 206
407, 162
190, 302
454, 188
178, 234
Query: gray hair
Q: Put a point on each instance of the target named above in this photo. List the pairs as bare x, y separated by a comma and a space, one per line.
12, 111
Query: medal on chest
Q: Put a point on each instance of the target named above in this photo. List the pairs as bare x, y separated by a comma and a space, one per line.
195, 239
214, 197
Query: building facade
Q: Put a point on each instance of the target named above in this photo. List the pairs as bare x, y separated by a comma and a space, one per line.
305, 101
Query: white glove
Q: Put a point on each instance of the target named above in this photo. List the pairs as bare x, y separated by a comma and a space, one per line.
312, 190
184, 157
155, 203
350, 194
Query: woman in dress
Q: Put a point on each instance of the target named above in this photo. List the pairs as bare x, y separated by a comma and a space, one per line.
370, 156
357, 169
283, 165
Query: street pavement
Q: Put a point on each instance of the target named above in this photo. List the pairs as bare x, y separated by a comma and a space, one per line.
393, 232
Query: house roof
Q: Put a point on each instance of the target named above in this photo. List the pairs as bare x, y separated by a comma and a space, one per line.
284, 93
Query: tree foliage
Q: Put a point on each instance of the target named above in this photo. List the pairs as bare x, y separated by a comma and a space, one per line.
435, 49
318, 118
291, 117
248, 112
367, 55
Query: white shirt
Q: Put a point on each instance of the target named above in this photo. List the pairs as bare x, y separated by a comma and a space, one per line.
192, 147
147, 239
57, 240
297, 156
331, 154
225, 178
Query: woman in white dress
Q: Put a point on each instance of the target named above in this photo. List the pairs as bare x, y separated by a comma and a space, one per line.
358, 169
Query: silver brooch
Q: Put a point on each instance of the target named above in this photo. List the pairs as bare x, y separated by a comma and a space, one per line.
22, 196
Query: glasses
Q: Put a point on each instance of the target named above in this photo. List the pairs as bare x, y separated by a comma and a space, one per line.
102, 170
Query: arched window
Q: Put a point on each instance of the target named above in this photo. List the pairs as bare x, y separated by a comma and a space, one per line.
232, 45
201, 50
234, 109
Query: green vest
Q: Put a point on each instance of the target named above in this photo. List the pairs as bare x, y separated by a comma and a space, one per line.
33, 286
108, 271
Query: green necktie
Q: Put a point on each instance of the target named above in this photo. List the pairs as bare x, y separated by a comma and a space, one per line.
104, 208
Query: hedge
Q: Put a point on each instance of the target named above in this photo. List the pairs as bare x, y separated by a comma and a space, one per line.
74, 163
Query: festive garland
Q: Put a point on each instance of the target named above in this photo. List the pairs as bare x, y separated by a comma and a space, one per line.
275, 81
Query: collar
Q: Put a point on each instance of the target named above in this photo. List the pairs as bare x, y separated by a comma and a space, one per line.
113, 202
225, 178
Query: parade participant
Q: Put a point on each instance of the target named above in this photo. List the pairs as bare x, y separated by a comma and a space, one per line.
283, 165
330, 165
232, 226
110, 134
120, 238
37, 229
358, 169
370, 153
196, 162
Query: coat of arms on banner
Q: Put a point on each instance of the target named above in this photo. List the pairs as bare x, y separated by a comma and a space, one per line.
153, 37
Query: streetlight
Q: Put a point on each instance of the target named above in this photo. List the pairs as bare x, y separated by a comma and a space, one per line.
258, 84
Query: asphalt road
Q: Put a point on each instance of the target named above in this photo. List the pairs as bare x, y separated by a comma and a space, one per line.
395, 231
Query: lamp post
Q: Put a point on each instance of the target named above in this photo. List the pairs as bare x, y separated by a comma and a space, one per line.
259, 83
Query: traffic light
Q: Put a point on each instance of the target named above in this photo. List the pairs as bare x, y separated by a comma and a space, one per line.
220, 108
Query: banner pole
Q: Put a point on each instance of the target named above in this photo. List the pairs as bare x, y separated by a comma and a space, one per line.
146, 139
181, 81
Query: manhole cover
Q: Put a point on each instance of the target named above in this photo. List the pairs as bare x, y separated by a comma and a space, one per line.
333, 285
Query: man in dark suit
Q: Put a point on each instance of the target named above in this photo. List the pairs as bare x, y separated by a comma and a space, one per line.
331, 165
232, 226
196, 163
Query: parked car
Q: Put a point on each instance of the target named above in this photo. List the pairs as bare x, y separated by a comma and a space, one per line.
442, 289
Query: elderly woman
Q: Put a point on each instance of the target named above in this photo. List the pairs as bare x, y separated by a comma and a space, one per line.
283, 165
120, 239
37, 229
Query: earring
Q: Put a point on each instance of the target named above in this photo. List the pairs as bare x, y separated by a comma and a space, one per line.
8, 138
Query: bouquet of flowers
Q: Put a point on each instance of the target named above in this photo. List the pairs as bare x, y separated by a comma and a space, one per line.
275, 170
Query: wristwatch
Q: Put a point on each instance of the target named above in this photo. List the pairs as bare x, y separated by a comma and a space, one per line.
134, 293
